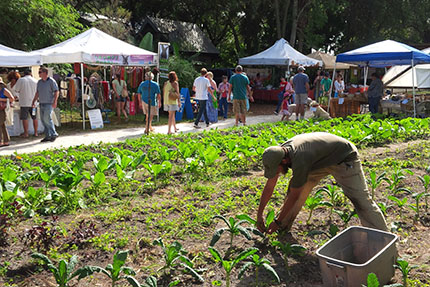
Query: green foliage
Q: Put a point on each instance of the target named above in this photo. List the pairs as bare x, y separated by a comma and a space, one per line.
228, 265
375, 181
35, 24
184, 70
65, 272
404, 267
258, 263
175, 257
288, 250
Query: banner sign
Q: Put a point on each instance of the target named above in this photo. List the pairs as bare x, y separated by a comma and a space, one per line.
185, 105
163, 56
123, 60
96, 120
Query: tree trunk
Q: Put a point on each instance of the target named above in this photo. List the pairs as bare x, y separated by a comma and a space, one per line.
236, 37
284, 20
294, 16
278, 20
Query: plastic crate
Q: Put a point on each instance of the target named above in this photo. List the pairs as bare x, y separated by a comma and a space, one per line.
348, 258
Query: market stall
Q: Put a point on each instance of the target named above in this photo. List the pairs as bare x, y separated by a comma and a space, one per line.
95, 47
15, 58
384, 54
280, 54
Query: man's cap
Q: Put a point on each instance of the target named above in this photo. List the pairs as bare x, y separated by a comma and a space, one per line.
301, 68
272, 157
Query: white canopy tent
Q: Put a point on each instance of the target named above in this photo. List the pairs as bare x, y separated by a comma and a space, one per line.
329, 61
384, 54
15, 58
401, 76
280, 54
95, 47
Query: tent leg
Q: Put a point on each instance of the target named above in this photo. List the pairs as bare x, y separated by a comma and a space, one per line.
82, 96
413, 85
331, 87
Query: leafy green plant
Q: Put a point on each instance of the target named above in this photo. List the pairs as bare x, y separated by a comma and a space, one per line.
404, 267
311, 203
270, 217
372, 280
234, 227
65, 271
375, 181
394, 181
258, 263
346, 215
425, 180
228, 265
116, 271
399, 202
174, 257
289, 250
334, 194
332, 231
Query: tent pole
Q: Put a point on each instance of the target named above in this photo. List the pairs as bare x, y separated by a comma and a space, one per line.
413, 85
82, 96
331, 87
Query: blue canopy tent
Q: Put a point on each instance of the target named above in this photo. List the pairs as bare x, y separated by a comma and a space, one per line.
384, 54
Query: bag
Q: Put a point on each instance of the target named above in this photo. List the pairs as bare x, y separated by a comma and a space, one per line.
124, 92
173, 95
3, 105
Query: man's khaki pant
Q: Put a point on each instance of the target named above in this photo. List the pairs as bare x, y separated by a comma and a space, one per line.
350, 176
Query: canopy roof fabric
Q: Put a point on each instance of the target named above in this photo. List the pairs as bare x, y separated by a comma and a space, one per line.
328, 61
15, 58
280, 54
401, 76
98, 48
383, 54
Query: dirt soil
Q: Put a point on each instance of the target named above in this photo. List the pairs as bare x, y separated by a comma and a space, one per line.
16, 267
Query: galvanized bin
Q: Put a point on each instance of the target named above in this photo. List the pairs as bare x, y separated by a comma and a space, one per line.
350, 256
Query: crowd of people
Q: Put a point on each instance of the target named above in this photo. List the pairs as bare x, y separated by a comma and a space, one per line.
212, 100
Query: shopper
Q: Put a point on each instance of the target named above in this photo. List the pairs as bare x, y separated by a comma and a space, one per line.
223, 89
239, 85
121, 94
301, 87
26, 87
375, 92
172, 100
5, 94
202, 88
149, 90
47, 94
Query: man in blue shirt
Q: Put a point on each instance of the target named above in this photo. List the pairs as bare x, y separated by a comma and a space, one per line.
239, 84
301, 88
149, 90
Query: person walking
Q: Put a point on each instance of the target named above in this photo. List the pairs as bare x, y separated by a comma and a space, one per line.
312, 157
301, 87
5, 94
202, 88
282, 85
26, 87
317, 85
47, 94
223, 89
339, 86
119, 88
239, 85
171, 104
149, 90
375, 92
212, 105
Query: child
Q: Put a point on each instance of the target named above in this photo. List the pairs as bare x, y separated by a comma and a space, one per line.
284, 112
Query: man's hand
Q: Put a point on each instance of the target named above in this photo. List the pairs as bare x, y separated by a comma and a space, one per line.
260, 224
273, 227
54, 105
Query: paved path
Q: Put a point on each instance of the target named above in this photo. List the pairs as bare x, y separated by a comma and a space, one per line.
96, 136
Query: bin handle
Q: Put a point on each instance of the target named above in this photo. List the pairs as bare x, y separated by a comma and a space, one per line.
330, 264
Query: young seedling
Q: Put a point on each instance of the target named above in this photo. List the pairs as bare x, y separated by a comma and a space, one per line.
234, 227
228, 265
259, 263
346, 215
416, 206
288, 250
64, 273
116, 271
375, 181
425, 180
332, 231
311, 203
383, 206
270, 217
372, 280
399, 202
334, 194
404, 267
175, 257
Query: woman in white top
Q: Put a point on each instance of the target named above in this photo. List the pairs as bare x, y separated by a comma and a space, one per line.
339, 86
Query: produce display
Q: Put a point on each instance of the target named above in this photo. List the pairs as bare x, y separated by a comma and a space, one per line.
179, 210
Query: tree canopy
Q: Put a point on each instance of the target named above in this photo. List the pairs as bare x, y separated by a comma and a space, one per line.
236, 27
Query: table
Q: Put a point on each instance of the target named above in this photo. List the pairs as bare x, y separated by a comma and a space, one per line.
350, 106
266, 95
17, 128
